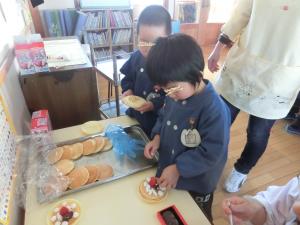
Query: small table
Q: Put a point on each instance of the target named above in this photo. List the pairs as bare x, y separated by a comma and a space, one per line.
112, 74
68, 92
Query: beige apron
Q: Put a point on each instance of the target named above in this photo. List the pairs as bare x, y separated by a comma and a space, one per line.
261, 74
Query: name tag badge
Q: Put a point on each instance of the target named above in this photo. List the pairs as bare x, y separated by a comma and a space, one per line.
190, 138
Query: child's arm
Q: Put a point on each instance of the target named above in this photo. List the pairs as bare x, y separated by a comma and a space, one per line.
152, 147
128, 69
244, 209
268, 207
157, 127
159, 101
278, 200
153, 104
169, 177
154, 144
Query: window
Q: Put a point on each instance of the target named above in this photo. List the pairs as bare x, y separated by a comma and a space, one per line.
187, 11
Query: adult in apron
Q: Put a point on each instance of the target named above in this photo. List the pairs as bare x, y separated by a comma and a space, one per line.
261, 73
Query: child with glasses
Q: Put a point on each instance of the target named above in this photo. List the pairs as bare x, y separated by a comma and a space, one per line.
191, 134
154, 21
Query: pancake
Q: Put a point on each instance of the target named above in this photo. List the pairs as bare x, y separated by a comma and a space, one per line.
133, 101
89, 147
68, 210
67, 154
100, 143
151, 193
64, 166
77, 150
54, 185
93, 173
91, 127
105, 171
55, 155
108, 145
78, 177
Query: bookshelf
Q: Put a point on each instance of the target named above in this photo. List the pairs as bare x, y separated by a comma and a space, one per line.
107, 31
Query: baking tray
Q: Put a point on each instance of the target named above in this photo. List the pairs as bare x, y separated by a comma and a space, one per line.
123, 166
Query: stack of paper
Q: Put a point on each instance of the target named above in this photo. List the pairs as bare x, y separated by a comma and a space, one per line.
66, 52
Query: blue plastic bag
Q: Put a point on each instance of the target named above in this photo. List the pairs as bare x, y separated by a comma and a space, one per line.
123, 143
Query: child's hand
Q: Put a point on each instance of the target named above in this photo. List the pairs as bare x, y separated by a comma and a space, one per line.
152, 147
148, 106
243, 209
126, 93
296, 209
169, 177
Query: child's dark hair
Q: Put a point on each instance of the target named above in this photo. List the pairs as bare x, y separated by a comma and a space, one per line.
155, 15
175, 58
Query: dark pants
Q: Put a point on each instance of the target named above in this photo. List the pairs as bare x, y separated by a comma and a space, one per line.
204, 202
258, 132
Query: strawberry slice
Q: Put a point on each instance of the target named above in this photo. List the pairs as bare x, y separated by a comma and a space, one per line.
152, 182
64, 211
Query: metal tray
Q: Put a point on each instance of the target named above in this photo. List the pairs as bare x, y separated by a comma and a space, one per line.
122, 166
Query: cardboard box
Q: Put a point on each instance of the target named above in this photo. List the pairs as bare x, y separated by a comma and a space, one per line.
170, 216
40, 122
24, 59
38, 56
30, 54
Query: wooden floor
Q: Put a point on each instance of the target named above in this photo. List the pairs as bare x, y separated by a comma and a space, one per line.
280, 162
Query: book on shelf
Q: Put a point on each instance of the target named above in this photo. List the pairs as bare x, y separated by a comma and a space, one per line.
98, 20
120, 19
109, 30
101, 54
80, 24
121, 36
62, 23
52, 22
121, 53
70, 18
96, 38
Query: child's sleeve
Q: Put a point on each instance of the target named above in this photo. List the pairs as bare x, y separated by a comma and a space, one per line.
128, 69
278, 201
157, 127
238, 20
213, 128
159, 101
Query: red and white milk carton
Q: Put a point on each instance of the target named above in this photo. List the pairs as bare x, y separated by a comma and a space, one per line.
40, 122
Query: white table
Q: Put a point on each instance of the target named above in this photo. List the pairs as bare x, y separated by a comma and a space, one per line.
117, 202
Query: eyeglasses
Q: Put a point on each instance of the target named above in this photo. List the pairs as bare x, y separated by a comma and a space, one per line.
173, 90
145, 44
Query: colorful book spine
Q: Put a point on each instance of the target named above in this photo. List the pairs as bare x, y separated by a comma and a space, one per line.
80, 24
70, 18
62, 22
52, 23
